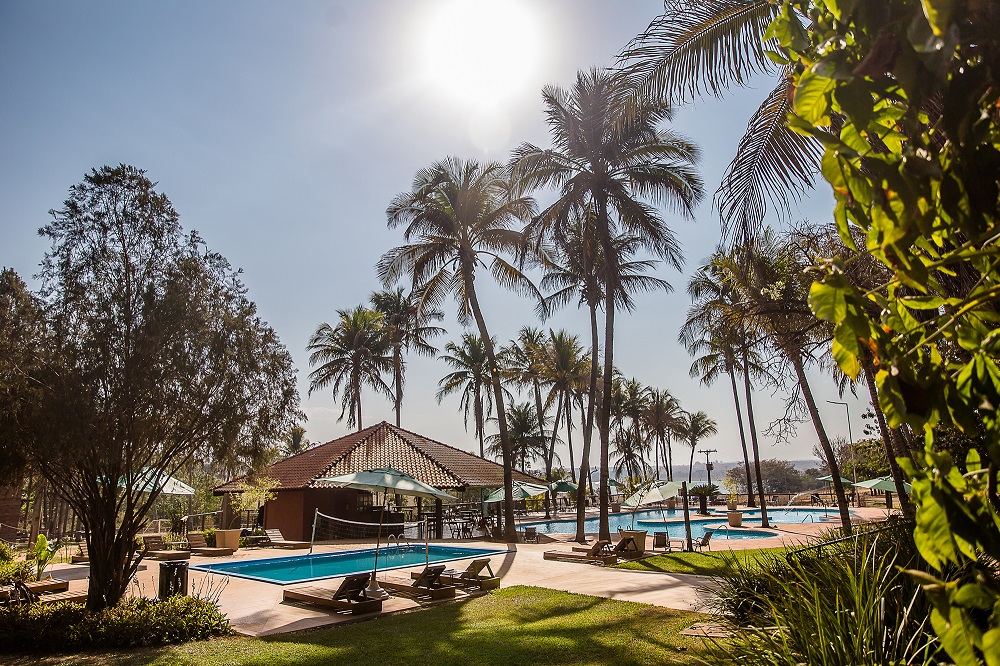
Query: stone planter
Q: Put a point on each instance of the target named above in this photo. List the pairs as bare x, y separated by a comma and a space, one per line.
227, 539
615, 507
731, 505
640, 539
735, 518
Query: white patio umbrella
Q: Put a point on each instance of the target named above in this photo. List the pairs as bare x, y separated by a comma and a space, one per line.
147, 480
384, 479
883, 483
652, 493
521, 490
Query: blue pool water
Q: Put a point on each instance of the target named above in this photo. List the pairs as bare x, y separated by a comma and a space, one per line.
305, 568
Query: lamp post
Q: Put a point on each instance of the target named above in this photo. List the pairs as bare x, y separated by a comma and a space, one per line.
854, 459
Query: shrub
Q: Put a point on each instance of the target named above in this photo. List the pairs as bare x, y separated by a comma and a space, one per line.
15, 570
6, 552
135, 622
210, 537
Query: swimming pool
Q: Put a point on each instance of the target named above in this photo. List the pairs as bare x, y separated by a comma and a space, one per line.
305, 568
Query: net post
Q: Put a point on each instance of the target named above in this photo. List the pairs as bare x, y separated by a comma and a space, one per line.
427, 546
312, 541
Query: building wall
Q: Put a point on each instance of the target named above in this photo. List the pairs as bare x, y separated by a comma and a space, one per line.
284, 513
292, 511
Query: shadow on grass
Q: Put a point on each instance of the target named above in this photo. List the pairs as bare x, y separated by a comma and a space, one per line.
516, 625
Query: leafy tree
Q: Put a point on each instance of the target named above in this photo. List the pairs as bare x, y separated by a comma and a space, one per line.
295, 441
459, 216
406, 325
610, 157
913, 161
253, 492
150, 354
779, 476
351, 356
470, 376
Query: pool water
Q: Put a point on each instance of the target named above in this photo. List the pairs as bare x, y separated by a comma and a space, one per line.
305, 568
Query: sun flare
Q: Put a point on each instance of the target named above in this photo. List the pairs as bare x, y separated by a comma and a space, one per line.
481, 51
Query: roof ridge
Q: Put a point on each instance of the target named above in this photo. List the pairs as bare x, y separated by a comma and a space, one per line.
368, 432
423, 453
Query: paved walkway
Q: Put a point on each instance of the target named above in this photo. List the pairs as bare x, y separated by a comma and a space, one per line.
255, 608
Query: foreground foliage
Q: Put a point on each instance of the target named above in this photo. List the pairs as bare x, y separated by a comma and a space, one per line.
135, 622
516, 625
703, 564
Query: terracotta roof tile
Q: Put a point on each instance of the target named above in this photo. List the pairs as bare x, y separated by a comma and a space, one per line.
385, 445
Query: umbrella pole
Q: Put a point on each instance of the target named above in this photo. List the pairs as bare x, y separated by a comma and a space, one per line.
373, 591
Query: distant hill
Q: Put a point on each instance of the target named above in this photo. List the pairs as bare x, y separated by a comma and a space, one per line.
701, 475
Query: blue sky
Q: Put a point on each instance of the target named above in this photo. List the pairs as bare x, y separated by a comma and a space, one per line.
281, 131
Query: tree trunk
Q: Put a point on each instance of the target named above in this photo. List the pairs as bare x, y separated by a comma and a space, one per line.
569, 436
838, 485
897, 474
604, 422
670, 457
694, 443
480, 418
743, 438
397, 378
588, 432
549, 458
509, 528
38, 503
753, 438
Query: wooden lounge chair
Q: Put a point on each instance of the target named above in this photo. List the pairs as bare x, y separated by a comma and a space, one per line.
627, 548
530, 535
198, 546
595, 553
350, 596
703, 542
153, 548
472, 576
275, 539
83, 557
48, 591
426, 584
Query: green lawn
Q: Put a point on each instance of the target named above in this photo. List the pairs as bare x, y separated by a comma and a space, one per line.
516, 625
703, 564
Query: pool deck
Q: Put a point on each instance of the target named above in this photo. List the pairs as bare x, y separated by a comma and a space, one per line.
255, 608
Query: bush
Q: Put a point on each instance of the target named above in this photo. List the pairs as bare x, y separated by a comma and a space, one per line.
6, 552
135, 622
210, 537
847, 603
14, 570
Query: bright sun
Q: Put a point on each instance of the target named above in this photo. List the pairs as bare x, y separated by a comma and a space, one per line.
481, 51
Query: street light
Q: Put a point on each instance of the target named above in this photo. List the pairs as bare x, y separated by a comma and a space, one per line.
854, 460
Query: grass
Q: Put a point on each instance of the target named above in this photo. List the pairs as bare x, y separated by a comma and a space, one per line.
516, 625
702, 564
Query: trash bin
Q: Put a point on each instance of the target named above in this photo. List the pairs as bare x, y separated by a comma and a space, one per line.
173, 579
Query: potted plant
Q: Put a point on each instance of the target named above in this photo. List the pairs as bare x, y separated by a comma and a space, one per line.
703, 492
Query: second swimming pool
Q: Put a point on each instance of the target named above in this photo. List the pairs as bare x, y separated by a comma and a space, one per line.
305, 568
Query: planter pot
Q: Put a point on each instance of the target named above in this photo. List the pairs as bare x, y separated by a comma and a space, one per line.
735, 518
731, 505
672, 503
615, 507
640, 539
227, 539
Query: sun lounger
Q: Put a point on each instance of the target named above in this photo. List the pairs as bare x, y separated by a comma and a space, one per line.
627, 548
153, 548
198, 546
703, 542
350, 596
83, 557
426, 584
275, 539
595, 553
472, 577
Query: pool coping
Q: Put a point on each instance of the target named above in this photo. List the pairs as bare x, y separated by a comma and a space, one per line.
215, 567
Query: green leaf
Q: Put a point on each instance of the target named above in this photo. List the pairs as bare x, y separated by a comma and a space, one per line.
938, 14
828, 301
812, 101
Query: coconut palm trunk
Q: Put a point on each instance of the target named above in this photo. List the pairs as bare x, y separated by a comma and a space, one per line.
569, 437
751, 423
887, 440
743, 436
550, 497
588, 429
397, 379
838, 485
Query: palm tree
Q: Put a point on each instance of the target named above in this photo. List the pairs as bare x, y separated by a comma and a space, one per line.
608, 157
406, 326
660, 418
528, 438
634, 400
521, 363
471, 377
696, 427
351, 356
295, 441
711, 47
457, 218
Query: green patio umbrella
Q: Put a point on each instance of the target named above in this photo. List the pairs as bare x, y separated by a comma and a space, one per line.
883, 483
563, 486
829, 479
383, 479
521, 490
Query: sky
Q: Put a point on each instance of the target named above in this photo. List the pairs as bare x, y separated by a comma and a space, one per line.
281, 132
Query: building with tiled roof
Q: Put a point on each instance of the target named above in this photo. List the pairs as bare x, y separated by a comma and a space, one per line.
301, 492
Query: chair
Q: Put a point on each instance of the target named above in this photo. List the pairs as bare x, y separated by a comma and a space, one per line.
627, 548
530, 535
425, 584
153, 548
83, 557
472, 576
198, 546
275, 539
350, 596
593, 554
703, 542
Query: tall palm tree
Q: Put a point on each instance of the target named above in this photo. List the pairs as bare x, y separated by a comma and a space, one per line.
458, 218
696, 426
610, 157
529, 439
660, 418
407, 328
351, 356
564, 366
635, 398
711, 47
295, 441
521, 363
471, 377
